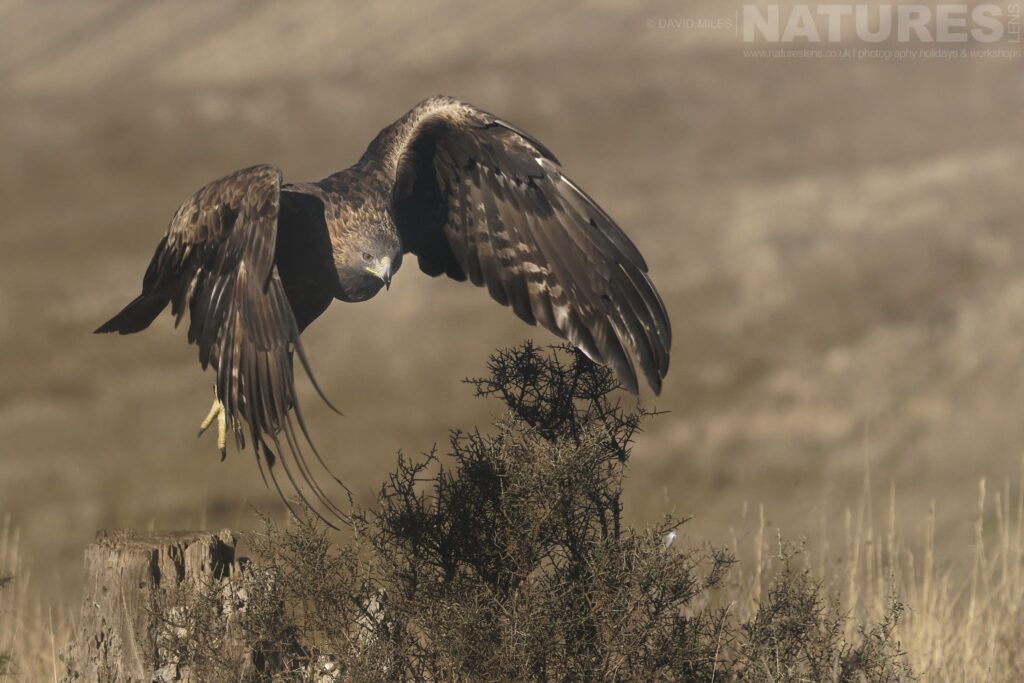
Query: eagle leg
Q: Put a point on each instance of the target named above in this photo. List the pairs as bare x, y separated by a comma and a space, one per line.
217, 414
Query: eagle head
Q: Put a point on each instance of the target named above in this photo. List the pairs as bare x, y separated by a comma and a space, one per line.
369, 257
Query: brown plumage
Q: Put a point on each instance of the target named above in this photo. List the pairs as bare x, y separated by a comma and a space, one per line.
473, 197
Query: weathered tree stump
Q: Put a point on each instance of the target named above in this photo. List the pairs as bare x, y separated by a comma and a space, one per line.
127, 573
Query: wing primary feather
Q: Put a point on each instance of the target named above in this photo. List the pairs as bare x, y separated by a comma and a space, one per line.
288, 504
644, 349
299, 492
655, 305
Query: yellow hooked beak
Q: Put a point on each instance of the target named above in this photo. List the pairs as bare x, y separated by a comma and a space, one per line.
382, 269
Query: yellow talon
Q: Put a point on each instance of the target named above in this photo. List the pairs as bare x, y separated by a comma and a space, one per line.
217, 413
215, 410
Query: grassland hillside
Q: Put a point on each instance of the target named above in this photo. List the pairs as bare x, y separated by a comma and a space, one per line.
838, 243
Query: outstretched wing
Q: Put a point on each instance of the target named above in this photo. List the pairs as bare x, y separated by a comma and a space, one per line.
474, 196
217, 260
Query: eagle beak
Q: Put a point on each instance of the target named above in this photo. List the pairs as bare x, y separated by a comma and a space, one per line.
383, 271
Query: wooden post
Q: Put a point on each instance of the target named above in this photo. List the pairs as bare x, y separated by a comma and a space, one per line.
126, 573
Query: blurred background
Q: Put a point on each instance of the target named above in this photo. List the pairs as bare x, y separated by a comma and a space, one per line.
838, 241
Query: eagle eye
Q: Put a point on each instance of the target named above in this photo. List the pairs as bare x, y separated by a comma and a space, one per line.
367, 257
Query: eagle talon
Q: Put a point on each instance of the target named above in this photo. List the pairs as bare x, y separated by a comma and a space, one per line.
217, 414
215, 410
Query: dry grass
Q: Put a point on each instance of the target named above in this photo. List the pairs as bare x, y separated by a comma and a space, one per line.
960, 624
32, 628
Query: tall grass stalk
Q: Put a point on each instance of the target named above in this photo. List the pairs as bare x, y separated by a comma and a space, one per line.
32, 625
963, 622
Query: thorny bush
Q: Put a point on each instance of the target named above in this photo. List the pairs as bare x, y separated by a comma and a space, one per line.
508, 560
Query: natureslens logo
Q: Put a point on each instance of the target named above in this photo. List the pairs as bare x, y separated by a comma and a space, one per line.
871, 23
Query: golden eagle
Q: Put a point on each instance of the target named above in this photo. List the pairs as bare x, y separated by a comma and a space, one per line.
255, 261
